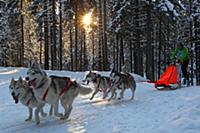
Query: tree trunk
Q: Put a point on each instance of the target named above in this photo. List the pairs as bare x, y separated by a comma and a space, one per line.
51, 47
160, 43
149, 52
71, 48
114, 55
117, 51
131, 56
81, 52
41, 52
121, 53
105, 63
85, 64
46, 38
197, 49
60, 39
138, 54
54, 63
191, 47
93, 54
101, 50
76, 38
22, 35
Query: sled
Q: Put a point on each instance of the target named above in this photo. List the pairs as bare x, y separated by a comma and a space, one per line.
168, 80
171, 87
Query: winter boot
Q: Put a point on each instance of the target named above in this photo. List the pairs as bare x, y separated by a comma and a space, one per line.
188, 82
184, 81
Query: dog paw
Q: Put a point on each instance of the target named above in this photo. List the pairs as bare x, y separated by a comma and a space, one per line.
132, 98
64, 118
50, 114
44, 114
104, 97
28, 119
37, 122
59, 115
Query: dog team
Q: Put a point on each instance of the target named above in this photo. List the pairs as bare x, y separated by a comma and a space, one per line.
38, 89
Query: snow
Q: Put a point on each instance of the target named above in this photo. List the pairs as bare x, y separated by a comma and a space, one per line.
166, 5
151, 112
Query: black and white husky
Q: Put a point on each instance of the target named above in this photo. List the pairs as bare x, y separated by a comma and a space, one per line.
51, 89
21, 91
101, 83
123, 81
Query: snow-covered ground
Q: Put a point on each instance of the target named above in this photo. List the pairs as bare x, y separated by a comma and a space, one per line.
151, 112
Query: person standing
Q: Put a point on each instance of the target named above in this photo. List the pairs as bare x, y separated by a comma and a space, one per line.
182, 56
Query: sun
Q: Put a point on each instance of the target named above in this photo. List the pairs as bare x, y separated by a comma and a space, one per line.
87, 20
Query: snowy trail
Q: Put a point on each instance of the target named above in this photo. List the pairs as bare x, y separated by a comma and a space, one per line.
151, 112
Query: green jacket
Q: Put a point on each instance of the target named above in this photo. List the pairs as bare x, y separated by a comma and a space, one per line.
180, 54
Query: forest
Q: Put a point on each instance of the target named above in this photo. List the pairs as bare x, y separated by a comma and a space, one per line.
82, 35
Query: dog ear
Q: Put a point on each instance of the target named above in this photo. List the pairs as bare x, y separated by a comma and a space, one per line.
32, 63
113, 70
35, 65
12, 80
44, 73
98, 75
20, 79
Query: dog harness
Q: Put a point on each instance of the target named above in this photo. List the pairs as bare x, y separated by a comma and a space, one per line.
27, 101
117, 82
102, 89
66, 87
45, 94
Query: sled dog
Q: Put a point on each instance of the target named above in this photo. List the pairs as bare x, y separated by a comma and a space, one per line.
51, 89
101, 83
21, 91
123, 81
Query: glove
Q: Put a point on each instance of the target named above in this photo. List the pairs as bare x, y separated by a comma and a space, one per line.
180, 61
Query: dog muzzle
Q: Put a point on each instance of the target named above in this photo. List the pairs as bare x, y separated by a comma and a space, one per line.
85, 81
15, 98
32, 82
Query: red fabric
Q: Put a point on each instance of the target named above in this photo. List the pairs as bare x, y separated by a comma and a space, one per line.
170, 76
45, 94
66, 87
27, 102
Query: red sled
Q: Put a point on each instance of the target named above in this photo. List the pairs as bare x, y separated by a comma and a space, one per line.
168, 80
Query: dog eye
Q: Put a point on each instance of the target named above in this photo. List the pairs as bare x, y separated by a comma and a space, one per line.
11, 88
17, 88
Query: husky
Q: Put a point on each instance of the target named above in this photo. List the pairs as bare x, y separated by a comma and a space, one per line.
51, 89
123, 81
21, 91
101, 83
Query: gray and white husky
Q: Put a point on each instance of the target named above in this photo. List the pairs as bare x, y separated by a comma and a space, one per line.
21, 91
123, 81
51, 89
101, 83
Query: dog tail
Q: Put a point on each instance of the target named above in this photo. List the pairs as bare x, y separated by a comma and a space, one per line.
84, 90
